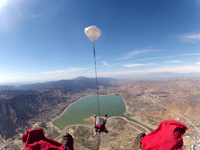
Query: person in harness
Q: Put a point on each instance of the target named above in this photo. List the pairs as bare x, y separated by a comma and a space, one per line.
99, 125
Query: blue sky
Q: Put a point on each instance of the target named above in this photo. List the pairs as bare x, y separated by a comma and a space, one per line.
44, 40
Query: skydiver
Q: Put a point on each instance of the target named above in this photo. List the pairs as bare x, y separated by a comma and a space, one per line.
99, 125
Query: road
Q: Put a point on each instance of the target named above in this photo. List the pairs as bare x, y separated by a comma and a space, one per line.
155, 101
56, 128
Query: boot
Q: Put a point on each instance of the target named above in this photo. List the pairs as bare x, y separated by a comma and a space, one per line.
137, 144
69, 142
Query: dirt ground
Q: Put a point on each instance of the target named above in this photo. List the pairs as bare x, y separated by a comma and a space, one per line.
121, 135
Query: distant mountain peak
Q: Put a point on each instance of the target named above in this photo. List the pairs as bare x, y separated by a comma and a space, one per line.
80, 78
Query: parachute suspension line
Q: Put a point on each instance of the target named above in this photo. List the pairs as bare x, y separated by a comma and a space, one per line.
96, 79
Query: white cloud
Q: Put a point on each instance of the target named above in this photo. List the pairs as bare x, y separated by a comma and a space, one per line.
57, 71
179, 69
106, 64
71, 69
176, 61
155, 58
137, 65
131, 54
194, 36
76, 69
193, 54
191, 38
198, 63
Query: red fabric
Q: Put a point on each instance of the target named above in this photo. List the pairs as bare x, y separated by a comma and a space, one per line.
99, 126
168, 136
36, 140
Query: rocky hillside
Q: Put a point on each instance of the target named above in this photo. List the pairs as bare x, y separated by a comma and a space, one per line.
72, 86
20, 109
16, 111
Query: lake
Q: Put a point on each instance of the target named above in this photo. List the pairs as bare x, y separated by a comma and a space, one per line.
88, 106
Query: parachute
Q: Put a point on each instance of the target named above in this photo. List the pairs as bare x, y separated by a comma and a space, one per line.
93, 33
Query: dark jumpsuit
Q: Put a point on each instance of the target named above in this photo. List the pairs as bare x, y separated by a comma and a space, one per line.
103, 123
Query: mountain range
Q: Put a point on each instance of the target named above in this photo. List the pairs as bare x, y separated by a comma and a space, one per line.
20, 104
76, 83
141, 76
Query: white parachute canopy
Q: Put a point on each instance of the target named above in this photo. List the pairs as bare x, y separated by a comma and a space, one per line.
93, 33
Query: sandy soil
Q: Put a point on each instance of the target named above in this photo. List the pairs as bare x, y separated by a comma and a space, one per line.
122, 133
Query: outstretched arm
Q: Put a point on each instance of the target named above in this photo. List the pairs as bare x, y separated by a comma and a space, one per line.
105, 118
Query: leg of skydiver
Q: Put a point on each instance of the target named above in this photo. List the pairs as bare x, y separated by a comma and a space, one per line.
94, 121
105, 118
94, 130
105, 131
69, 142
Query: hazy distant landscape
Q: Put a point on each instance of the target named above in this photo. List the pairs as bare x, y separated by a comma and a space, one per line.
148, 101
141, 76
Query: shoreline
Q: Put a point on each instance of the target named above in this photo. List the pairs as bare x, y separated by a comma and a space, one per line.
66, 109
91, 126
127, 108
51, 122
80, 99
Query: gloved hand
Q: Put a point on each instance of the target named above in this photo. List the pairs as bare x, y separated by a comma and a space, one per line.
105, 115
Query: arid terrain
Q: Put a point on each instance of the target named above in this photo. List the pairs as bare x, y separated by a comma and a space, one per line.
147, 101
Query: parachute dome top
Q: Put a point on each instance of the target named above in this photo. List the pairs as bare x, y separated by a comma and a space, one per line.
93, 33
